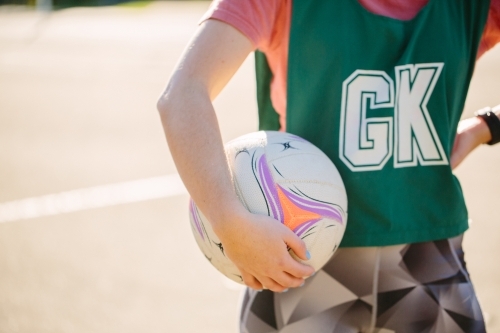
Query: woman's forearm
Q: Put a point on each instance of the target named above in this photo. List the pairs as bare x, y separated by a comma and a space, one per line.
194, 139
190, 123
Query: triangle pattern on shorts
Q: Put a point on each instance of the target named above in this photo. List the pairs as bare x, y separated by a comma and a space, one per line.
321, 293
255, 324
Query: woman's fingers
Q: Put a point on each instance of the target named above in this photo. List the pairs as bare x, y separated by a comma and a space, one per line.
293, 267
297, 269
261, 254
250, 280
296, 244
280, 283
272, 285
288, 281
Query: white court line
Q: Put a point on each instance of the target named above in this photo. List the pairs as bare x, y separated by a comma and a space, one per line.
92, 197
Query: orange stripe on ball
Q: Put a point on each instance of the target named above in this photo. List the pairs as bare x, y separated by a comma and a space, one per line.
293, 215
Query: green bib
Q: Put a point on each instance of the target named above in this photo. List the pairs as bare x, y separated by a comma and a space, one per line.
382, 98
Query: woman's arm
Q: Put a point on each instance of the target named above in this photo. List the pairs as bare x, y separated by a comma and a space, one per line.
256, 244
471, 133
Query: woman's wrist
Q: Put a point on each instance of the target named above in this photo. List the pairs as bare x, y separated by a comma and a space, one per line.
489, 127
476, 128
225, 220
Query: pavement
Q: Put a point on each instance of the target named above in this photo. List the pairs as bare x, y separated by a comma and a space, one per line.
78, 119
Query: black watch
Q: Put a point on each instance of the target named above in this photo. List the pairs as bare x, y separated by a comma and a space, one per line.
493, 123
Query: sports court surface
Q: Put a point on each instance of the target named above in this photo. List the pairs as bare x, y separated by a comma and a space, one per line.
94, 233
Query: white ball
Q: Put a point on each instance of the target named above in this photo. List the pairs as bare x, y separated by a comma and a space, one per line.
288, 178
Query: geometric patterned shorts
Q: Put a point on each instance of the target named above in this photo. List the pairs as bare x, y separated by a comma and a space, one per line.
420, 287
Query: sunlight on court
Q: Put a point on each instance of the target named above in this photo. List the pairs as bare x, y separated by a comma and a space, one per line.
93, 197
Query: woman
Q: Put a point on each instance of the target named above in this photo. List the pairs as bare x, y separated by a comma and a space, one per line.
379, 86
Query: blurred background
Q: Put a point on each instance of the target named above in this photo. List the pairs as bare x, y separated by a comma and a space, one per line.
94, 233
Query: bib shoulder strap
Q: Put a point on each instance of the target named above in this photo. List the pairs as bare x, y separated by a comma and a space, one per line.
268, 117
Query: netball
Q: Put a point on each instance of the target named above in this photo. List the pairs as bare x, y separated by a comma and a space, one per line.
285, 177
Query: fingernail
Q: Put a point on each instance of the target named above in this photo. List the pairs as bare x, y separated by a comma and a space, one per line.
303, 283
313, 274
284, 291
308, 255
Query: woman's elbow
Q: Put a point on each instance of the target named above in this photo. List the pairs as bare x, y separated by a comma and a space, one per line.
164, 103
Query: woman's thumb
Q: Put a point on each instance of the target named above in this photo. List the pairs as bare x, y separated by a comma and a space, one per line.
297, 245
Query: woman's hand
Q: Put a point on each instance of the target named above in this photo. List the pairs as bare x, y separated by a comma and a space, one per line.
258, 246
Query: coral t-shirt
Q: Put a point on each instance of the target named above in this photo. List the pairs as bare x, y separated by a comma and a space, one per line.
266, 23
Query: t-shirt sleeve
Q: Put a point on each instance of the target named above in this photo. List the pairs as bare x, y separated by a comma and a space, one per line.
491, 34
254, 18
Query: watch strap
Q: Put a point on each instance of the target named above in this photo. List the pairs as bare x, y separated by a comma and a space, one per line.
493, 123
